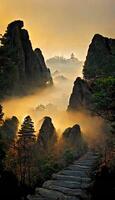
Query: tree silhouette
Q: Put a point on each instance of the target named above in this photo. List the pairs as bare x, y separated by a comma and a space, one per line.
26, 143
2, 151
1, 115
27, 128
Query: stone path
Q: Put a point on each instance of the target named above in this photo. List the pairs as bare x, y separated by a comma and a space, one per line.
71, 183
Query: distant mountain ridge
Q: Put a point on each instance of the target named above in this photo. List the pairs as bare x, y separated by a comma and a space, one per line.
61, 59
67, 66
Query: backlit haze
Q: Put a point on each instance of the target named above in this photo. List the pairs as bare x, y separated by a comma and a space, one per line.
58, 28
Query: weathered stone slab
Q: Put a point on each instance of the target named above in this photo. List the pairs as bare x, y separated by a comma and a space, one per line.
67, 184
76, 167
36, 197
54, 195
68, 191
71, 178
87, 163
73, 173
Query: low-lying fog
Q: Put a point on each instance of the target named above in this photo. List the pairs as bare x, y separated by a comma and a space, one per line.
53, 102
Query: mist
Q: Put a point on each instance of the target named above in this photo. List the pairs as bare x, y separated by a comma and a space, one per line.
55, 96
53, 102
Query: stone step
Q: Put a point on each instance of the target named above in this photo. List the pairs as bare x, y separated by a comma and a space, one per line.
71, 178
82, 170
74, 173
36, 197
81, 165
76, 167
55, 195
67, 184
86, 163
68, 191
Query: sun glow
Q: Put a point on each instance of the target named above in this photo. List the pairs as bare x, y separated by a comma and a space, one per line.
58, 32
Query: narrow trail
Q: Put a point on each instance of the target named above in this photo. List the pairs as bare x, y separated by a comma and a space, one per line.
71, 183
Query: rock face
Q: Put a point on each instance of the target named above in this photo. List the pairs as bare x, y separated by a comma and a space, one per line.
47, 134
73, 139
80, 98
100, 60
31, 66
72, 134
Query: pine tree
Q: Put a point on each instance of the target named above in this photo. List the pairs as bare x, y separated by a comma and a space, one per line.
8, 68
1, 115
26, 143
27, 128
2, 151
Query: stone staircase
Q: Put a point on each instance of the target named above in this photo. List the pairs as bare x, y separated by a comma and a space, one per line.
71, 183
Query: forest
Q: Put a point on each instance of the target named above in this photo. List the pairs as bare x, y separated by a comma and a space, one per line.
27, 160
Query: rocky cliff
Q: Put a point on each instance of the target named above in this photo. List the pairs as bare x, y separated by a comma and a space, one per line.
80, 98
100, 60
47, 134
31, 69
99, 64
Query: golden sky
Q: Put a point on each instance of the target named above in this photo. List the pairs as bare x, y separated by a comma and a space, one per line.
60, 27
